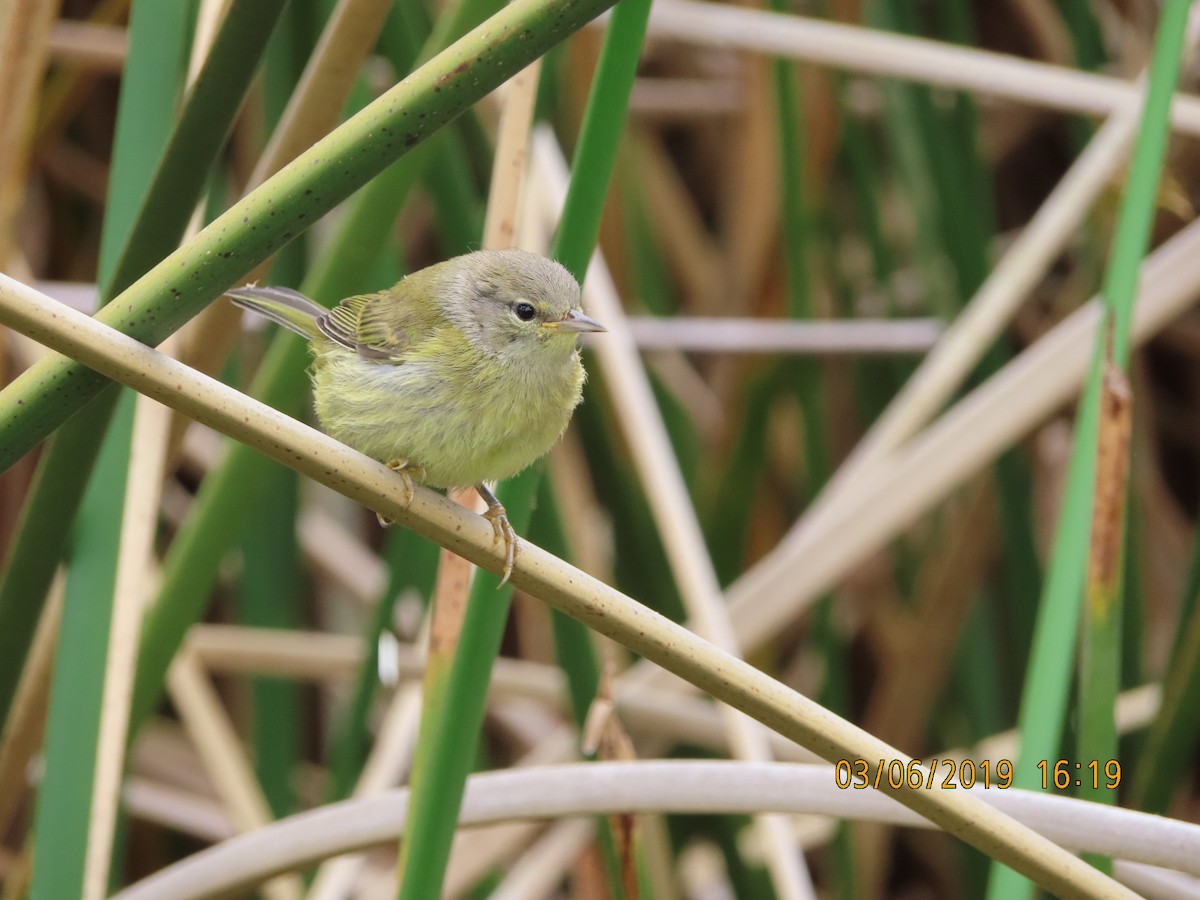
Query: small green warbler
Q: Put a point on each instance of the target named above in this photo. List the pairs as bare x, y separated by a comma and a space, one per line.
462, 373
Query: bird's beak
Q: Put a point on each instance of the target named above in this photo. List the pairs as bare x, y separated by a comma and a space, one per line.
574, 322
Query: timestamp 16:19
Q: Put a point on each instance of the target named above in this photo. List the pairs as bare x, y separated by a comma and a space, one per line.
1062, 774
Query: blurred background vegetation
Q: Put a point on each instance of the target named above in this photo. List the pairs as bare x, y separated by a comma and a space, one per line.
748, 188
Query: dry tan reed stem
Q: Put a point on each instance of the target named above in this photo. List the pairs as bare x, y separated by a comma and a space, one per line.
1151, 881
89, 45
508, 167
386, 766
881, 53
682, 786
139, 526
739, 335
317, 101
26, 724
657, 712
709, 334
539, 871
333, 550
969, 436
476, 853
537, 572
685, 100
279, 653
217, 742
25, 28
180, 810
670, 504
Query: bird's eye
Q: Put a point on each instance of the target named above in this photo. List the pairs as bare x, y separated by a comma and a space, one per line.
524, 311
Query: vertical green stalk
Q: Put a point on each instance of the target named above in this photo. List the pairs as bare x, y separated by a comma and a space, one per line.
455, 696
600, 136
796, 238
65, 797
1044, 701
1100, 671
270, 594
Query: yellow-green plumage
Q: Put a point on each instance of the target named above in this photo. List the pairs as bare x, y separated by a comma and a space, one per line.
443, 370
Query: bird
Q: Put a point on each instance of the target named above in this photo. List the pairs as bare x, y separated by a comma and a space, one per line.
463, 373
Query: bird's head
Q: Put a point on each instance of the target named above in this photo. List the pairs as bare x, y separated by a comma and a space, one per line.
519, 304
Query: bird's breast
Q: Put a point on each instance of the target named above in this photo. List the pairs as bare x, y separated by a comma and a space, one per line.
465, 420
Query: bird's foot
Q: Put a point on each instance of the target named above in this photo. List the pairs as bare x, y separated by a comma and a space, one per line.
406, 470
503, 529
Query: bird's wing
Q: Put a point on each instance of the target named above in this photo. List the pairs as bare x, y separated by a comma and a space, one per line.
383, 326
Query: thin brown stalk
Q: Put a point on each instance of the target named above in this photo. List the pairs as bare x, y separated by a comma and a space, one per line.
25, 28
139, 527
1112, 486
508, 169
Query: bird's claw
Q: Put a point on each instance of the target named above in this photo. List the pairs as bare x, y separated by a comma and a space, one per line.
405, 470
504, 531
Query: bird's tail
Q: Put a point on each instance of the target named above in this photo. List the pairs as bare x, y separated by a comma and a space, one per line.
289, 308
